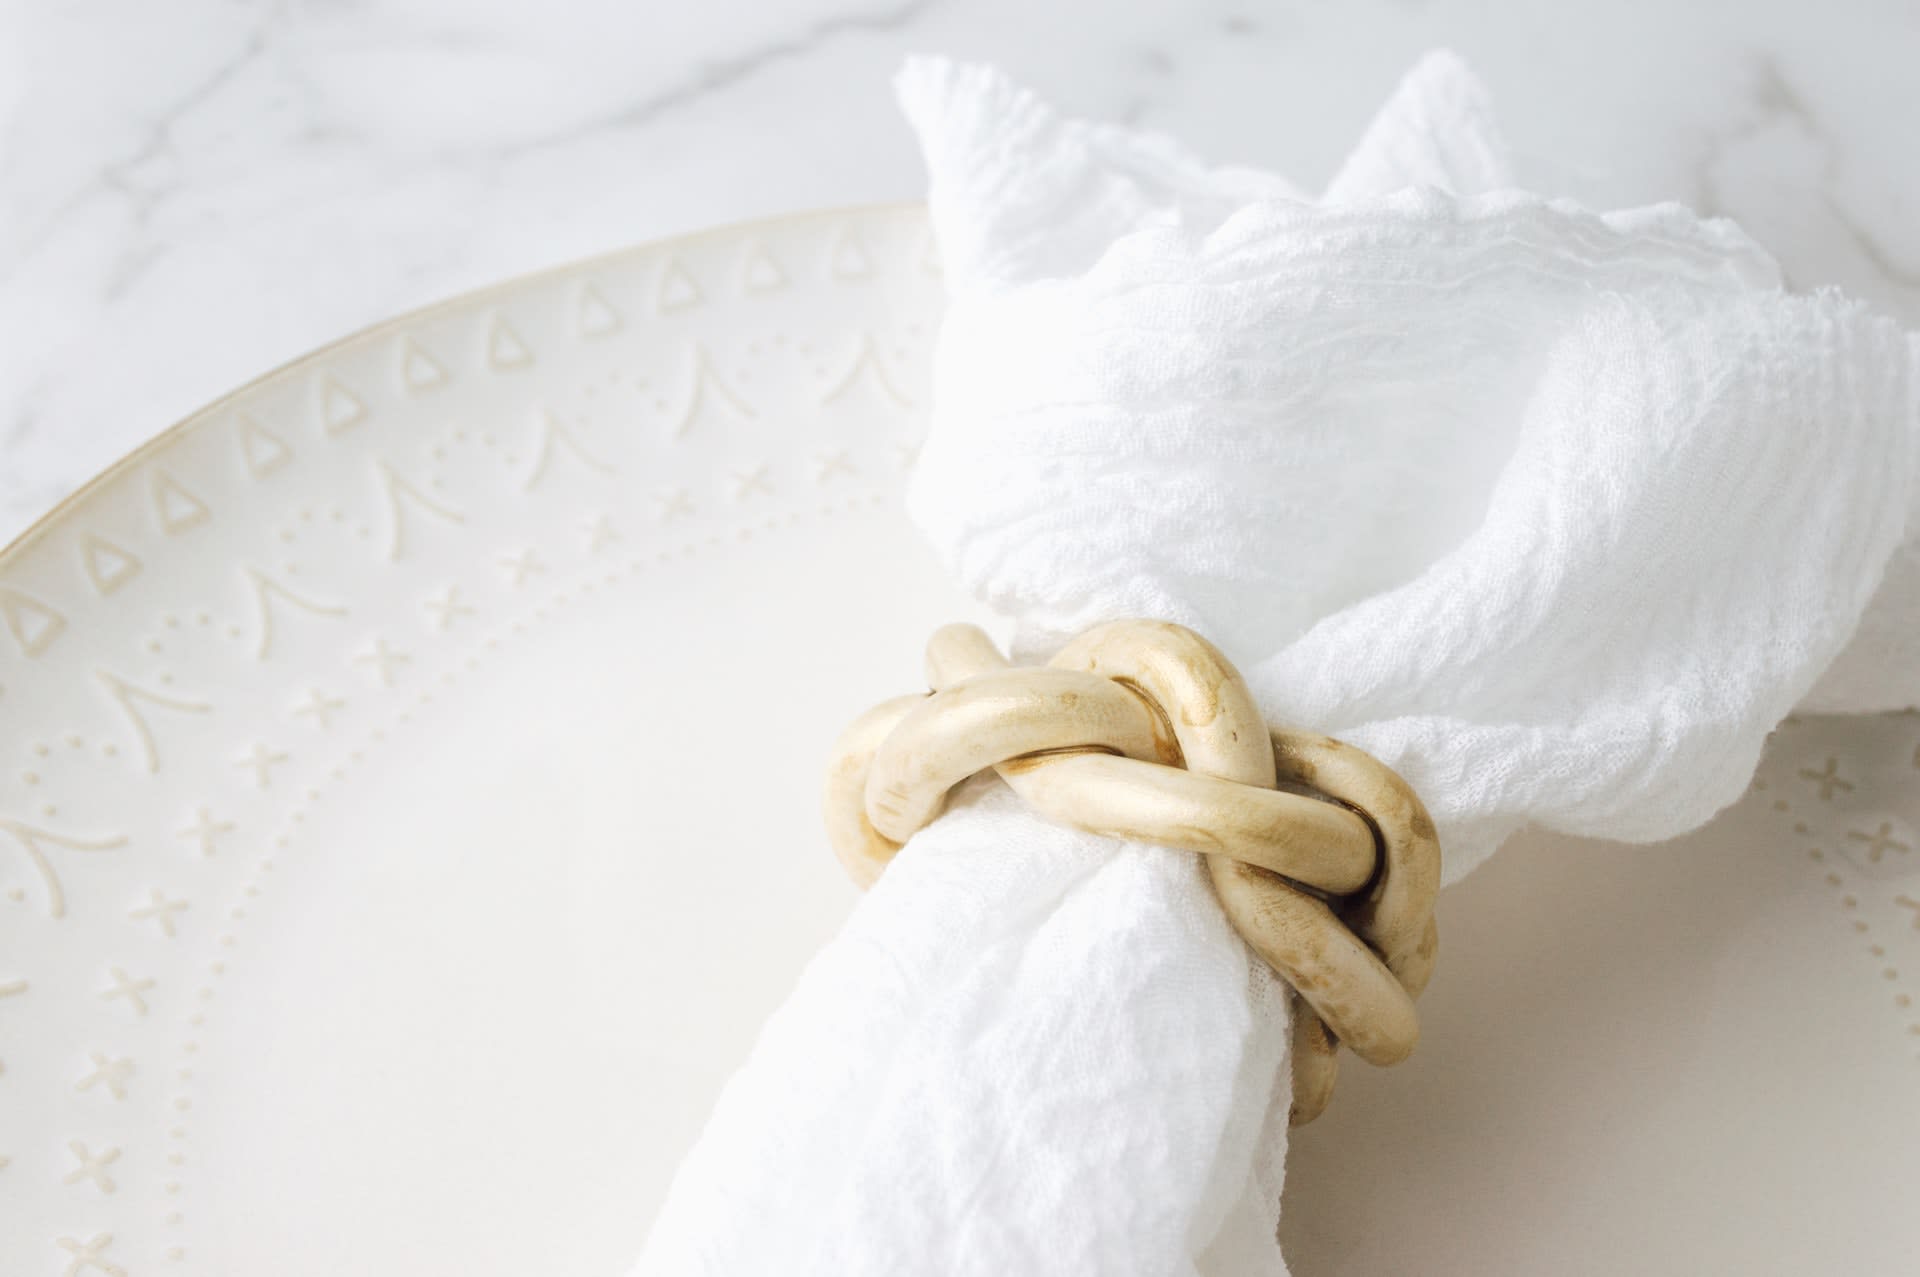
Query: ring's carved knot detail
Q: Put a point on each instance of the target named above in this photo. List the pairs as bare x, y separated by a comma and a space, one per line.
1142, 730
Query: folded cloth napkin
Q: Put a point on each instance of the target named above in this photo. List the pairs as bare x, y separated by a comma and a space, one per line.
1557, 512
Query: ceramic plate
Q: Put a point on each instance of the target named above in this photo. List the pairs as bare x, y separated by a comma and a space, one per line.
377, 894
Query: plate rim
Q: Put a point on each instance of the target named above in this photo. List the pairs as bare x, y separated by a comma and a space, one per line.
862, 282
68, 505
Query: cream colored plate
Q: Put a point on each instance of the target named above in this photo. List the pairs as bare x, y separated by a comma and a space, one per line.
362, 842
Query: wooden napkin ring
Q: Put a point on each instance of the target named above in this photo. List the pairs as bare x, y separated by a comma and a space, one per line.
1143, 730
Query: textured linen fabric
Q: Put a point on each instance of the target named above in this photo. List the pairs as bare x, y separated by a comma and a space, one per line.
1556, 511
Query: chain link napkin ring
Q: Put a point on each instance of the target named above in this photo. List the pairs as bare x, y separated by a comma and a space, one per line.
1143, 730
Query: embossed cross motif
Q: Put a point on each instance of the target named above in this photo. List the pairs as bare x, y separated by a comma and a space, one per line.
674, 504
320, 707
600, 533
87, 1255
1879, 842
107, 1072
262, 760
161, 911
92, 1166
126, 986
1827, 780
747, 483
447, 607
384, 659
206, 830
521, 566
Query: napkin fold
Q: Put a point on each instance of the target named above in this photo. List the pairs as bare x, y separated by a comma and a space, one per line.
1556, 511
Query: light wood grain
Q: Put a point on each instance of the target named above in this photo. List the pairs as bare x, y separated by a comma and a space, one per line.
1144, 731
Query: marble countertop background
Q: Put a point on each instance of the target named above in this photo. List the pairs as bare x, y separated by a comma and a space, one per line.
194, 192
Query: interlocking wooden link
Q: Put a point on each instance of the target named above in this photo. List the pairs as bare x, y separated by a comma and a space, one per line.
1143, 730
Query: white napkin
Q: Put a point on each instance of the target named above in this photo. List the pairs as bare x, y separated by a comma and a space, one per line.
1557, 512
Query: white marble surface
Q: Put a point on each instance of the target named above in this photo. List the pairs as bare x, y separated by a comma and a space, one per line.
195, 191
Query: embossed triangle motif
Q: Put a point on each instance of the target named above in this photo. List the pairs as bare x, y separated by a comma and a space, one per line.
596, 315
263, 451
418, 369
32, 623
108, 566
178, 509
850, 260
504, 347
762, 274
677, 289
340, 408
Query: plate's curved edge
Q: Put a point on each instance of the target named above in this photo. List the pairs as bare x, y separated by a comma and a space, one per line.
70, 504
692, 407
